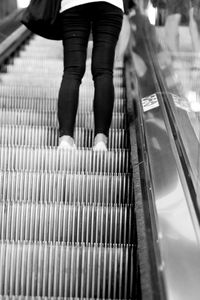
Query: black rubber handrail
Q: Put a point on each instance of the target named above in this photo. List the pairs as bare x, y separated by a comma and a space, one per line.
10, 45
9, 24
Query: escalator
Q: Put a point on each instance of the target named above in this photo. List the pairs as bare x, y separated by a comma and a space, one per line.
67, 224
121, 224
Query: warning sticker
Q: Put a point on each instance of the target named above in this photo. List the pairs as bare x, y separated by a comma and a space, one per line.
150, 102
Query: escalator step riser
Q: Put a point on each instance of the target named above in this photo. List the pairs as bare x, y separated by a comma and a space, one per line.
54, 270
45, 70
32, 47
28, 69
53, 70
54, 160
41, 298
48, 136
45, 298
29, 66
56, 222
38, 79
8, 79
64, 187
50, 92
50, 105
49, 63
36, 39
40, 56
32, 118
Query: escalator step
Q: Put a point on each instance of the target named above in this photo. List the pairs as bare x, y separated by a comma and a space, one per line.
48, 92
48, 270
50, 104
48, 187
54, 160
48, 136
58, 222
43, 298
34, 80
35, 118
47, 69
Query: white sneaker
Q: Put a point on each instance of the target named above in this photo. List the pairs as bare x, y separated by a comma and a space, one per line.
66, 142
100, 142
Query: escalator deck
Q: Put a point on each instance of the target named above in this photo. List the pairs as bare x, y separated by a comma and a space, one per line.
66, 216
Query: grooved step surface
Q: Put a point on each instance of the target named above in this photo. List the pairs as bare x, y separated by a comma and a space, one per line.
43, 298
35, 118
65, 187
37, 80
46, 104
15, 135
41, 269
53, 159
40, 66
48, 92
70, 223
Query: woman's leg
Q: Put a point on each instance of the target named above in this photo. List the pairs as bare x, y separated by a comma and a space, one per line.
76, 29
107, 22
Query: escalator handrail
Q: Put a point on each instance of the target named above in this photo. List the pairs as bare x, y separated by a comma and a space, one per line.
12, 43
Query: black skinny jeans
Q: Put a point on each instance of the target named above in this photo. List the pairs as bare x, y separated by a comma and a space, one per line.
105, 21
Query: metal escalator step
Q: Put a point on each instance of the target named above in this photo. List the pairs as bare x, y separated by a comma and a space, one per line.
44, 43
15, 69
38, 39
48, 63
48, 92
47, 270
48, 187
35, 118
48, 69
48, 136
50, 104
33, 47
56, 77
44, 298
43, 81
25, 80
47, 53
69, 223
57, 160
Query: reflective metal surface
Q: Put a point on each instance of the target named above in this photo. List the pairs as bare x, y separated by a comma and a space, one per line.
178, 235
166, 51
